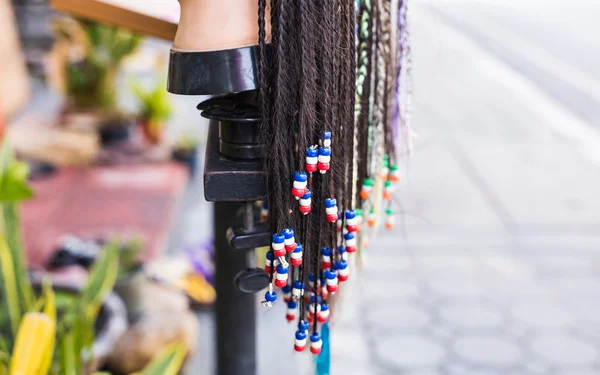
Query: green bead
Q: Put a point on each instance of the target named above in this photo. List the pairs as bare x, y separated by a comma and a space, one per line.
389, 211
368, 182
393, 168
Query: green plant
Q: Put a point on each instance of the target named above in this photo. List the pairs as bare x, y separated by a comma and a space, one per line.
90, 81
129, 255
155, 106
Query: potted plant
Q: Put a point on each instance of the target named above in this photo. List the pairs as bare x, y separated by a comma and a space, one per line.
91, 54
185, 151
130, 277
155, 109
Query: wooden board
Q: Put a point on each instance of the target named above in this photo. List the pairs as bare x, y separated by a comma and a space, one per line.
160, 23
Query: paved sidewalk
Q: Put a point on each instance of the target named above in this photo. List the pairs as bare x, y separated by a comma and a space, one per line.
493, 269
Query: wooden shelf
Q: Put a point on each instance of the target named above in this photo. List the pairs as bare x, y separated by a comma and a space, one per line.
111, 14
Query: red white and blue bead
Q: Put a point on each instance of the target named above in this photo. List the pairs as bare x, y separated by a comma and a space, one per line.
325, 258
342, 254
350, 239
342, 269
315, 343
312, 159
270, 262
297, 289
299, 186
324, 159
290, 315
325, 141
278, 245
331, 210
296, 256
332, 281
287, 293
305, 202
281, 277
300, 342
264, 211
289, 240
323, 315
351, 221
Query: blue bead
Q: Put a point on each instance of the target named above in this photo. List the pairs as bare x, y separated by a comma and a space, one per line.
315, 337
281, 269
341, 264
270, 256
292, 305
307, 195
348, 236
298, 284
278, 238
300, 335
303, 326
327, 134
270, 296
324, 151
350, 214
314, 299
331, 274
324, 307
326, 251
311, 277
265, 205
341, 249
286, 289
312, 152
300, 176
330, 202
288, 233
298, 248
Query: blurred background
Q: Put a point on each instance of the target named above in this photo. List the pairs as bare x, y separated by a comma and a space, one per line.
492, 269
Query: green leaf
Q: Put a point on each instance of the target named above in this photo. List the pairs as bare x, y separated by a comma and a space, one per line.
13, 178
102, 278
169, 362
9, 288
67, 355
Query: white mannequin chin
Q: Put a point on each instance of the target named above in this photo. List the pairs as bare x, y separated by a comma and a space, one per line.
213, 25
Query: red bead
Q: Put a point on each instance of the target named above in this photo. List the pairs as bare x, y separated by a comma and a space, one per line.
351, 249
342, 278
280, 283
332, 218
299, 348
290, 248
268, 269
310, 168
321, 318
332, 288
323, 166
315, 350
325, 265
290, 317
305, 209
279, 253
296, 262
325, 293
298, 193
352, 228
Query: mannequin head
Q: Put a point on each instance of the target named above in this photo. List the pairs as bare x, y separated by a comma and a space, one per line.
213, 25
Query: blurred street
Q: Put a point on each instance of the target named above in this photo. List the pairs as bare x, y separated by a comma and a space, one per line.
494, 266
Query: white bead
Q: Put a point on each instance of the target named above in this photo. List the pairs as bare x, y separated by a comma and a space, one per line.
332, 281
311, 308
281, 276
296, 255
300, 342
305, 202
324, 158
351, 242
312, 160
296, 292
331, 210
367, 187
299, 184
326, 258
277, 246
289, 241
345, 256
344, 272
316, 345
352, 221
327, 143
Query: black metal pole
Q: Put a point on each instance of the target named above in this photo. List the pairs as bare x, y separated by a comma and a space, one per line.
235, 311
